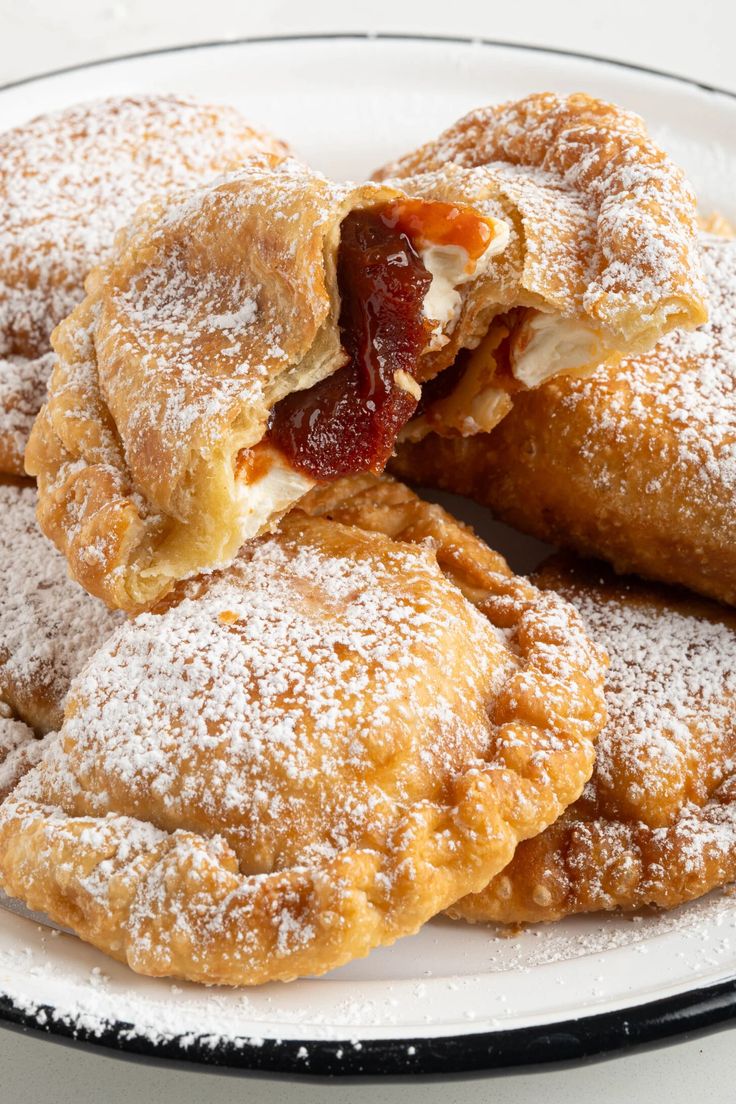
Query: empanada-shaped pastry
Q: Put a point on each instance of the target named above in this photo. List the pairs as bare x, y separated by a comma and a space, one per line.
48, 626
68, 182
602, 259
247, 341
656, 824
310, 753
636, 465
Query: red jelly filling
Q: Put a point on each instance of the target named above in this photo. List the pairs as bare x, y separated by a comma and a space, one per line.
349, 422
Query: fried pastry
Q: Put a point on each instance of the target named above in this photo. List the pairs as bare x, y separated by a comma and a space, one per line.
656, 824
636, 465
68, 182
23, 383
602, 259
20, 749
309, 753
248, 340
48, 625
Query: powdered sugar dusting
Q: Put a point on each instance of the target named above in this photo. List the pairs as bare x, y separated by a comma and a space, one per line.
271, 682
685, 390
671, 690
70, 180
22, 391
448, 978
48, 625
19, 749
208, 334
605, 211
663, 782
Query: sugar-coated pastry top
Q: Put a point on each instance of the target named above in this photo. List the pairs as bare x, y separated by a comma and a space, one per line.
152, 452
48, 625
636, 464
19, 749
69, 181
685, 388
23, 384
613, 220
656, 824
309, 753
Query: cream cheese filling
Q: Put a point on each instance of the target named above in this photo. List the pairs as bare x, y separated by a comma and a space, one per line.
262, 500
450, 267
545, 345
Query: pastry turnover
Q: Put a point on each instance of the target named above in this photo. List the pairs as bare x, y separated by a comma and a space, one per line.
636, 465
310, 753
248, 340
68, 181
602, 258
48, 625
656, 824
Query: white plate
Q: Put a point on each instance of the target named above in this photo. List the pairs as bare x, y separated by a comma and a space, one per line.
453, 997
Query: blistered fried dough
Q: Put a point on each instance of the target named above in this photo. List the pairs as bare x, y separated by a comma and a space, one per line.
602, 260
248, 340
308, 754
48, 625
656, 824
20, 749
68, 182
636, 465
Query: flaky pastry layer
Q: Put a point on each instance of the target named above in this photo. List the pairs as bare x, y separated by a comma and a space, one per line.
68, 182
603, 256
636, 465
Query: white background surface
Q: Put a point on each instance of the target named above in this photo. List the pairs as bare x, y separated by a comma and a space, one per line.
695, 40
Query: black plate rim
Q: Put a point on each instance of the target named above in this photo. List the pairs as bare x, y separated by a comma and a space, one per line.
697, 1010
373, 36
565, 1042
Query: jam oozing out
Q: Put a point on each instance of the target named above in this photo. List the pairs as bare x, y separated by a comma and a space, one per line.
349, 422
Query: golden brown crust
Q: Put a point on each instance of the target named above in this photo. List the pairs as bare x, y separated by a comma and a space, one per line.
68, 182
640, 275
20, 750
602, 255
48, 626
23, 383
217, 304
634, 465
656, 824
223, 838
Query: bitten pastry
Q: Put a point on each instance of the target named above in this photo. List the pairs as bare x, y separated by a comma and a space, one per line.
636, 465
48, 626
310, 753
68, 182
656, 824
248, 340
602, 259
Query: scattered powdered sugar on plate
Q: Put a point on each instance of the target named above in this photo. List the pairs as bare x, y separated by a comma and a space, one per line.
494, 984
